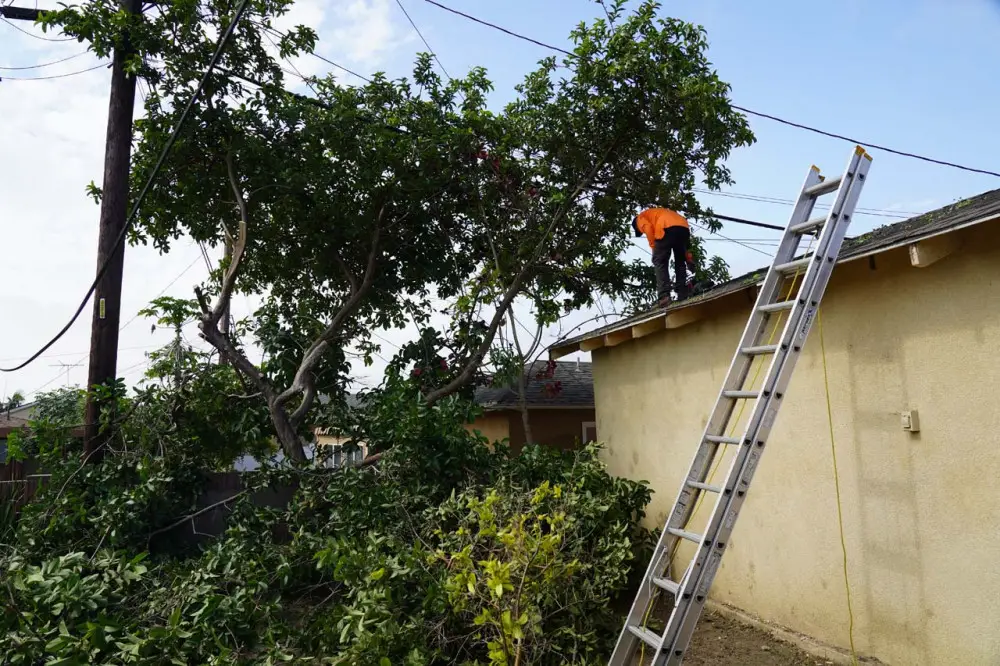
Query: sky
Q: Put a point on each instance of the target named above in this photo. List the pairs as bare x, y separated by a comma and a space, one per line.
913, 76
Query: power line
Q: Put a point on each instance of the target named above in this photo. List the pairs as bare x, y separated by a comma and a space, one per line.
163, 291
752, 241
295, 70
877, 212
102, 65
421, 35
278, 33
146, 187
501, 29
731, 240
123, 327
64, 354
864, 143
31, 34
739, 108
750, 223
46, 64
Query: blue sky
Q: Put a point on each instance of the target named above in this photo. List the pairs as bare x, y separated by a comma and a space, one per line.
917, 76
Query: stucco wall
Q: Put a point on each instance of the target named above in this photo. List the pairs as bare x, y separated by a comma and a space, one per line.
560, 428
921, 511
492, 425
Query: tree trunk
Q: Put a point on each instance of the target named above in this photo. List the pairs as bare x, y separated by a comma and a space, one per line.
522, 405
291, 444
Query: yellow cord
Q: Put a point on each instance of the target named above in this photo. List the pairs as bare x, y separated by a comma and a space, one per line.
836, 485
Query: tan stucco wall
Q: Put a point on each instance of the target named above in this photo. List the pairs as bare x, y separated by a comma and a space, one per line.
559, 428
921, 511
495, 426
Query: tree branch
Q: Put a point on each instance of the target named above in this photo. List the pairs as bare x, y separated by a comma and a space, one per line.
515, 286
220, 341
239, 247
303, 382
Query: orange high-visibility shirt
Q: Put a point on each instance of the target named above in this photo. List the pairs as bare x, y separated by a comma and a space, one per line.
654, 221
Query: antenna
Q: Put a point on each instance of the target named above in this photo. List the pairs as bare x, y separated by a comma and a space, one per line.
67, 367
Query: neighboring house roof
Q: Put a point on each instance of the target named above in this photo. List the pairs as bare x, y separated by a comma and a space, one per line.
9, 424
25, 411
968, 212
576, 388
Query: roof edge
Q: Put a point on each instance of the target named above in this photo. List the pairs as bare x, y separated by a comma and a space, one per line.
630, 329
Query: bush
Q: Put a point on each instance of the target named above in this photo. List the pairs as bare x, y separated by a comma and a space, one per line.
447, 552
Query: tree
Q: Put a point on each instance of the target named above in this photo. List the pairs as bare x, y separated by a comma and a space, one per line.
350, 209
11, 402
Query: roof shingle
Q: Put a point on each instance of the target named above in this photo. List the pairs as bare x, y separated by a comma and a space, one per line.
576, 388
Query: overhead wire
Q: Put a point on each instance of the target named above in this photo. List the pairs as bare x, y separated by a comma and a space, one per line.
31, 34
278, 33
122, 328
731, 240
423, 39
102, 65
44, 64
739, 108
867, 144
877, 212
223, 40
500, 28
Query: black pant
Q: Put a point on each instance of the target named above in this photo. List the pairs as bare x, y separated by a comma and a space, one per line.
675, 240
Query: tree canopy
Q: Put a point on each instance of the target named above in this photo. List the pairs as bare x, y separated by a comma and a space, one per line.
351, 207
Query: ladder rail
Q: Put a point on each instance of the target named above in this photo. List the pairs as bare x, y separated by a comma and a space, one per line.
700, 466
692, 589
795, 331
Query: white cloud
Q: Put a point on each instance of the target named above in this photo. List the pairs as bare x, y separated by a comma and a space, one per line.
367, 31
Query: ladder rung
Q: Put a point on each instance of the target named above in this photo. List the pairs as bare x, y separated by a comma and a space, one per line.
777, 307
827, 186
741, 395
719, 439
806, 227
666, 584
703, 486
690, 536
760, 349
646, 636
795, 265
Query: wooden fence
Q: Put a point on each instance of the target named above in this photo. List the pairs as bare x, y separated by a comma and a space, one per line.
19, 482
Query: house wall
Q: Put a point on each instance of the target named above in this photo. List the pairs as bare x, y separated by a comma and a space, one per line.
921, 510
559, 428
495, 426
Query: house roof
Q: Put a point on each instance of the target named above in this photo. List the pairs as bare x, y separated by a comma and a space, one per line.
982, 208
9, 424
576, 388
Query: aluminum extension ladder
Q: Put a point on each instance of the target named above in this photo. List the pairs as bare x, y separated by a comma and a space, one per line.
690, 592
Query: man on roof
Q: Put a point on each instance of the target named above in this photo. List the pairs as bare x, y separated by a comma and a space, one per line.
668, 234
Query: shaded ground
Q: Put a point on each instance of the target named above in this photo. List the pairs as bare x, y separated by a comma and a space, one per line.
721, 641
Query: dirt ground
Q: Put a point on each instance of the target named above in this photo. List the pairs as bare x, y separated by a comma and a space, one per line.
721, 641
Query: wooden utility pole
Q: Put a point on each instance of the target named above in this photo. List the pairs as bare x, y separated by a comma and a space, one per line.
114, 211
